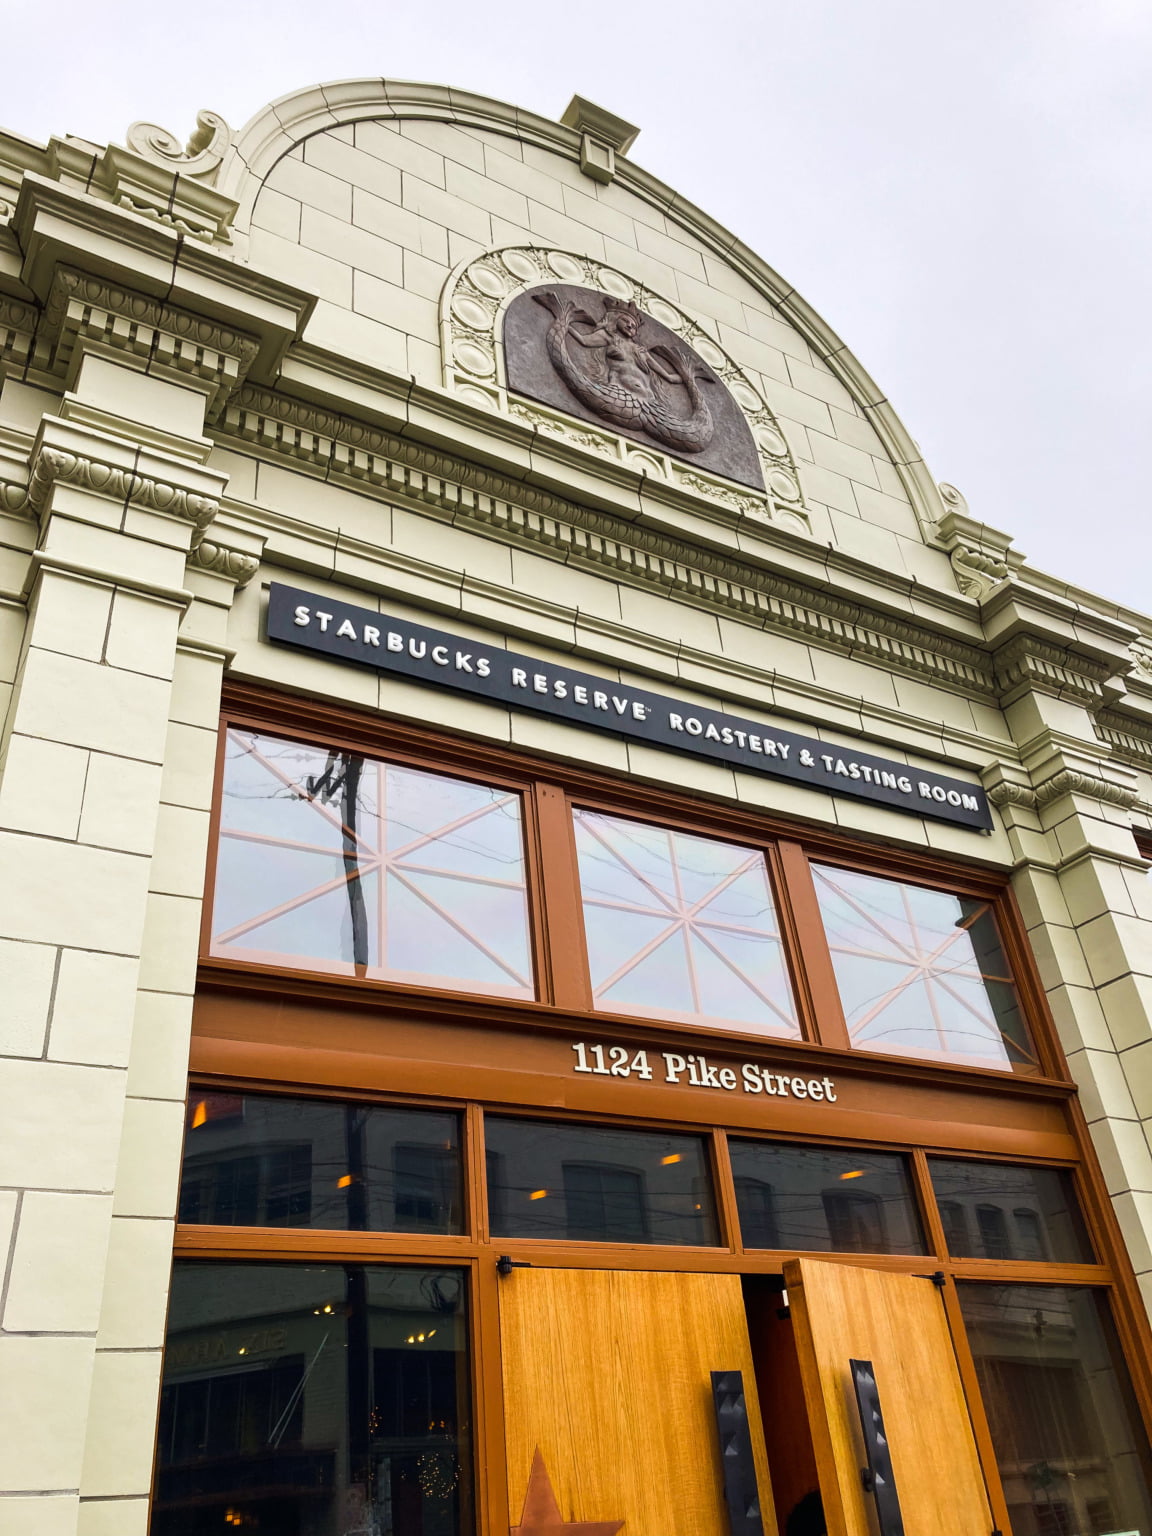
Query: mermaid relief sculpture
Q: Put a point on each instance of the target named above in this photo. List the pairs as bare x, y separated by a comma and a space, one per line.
624, 381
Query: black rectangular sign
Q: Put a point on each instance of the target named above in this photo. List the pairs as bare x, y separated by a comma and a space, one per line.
359, 635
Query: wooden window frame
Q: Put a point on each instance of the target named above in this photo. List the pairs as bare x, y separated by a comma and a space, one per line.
548, 793
564, 1006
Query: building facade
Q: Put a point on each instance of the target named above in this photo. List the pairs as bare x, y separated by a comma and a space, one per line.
575, 937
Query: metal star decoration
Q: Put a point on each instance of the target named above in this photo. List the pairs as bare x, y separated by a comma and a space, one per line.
541, 1513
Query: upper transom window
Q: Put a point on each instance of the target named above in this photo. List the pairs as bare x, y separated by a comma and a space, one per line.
921, 972
681, 927
333, 861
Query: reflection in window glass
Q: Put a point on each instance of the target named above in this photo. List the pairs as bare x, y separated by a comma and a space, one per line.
263, 1161
1067, 1435
595, 1184
314, 1400
824, 1199
920, 972
681, 927
334, 862
1009, 1211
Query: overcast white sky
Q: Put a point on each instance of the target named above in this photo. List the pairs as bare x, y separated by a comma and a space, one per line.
962, 190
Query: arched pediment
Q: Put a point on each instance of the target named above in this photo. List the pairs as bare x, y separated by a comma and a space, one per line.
286, 124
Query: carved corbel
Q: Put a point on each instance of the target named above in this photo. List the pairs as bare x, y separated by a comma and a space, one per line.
219, 560
17, 329
58, 465
982, 557
1008, 786
13, 498
1070, 781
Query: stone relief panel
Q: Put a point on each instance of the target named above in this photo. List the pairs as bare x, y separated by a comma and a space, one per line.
594, 358
603, 359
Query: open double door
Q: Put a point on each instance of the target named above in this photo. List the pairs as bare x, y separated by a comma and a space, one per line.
611, 1420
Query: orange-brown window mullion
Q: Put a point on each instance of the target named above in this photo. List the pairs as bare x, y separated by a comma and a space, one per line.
562, 919
818, 996
726, 1209
976, 1412
929, 1210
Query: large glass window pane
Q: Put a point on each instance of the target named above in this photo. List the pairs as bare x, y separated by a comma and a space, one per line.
314, 1400
254, 1160
596, 1184
1007, 1211
921, 972
681, 927
1072, 1454
334, 862
824, 1199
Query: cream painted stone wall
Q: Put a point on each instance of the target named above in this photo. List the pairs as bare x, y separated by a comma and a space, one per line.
115, 634
374, 216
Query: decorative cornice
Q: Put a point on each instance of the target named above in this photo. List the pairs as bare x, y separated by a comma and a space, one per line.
233, 564
85, 310
1070, 782
54, 465
373, 461
1129, 739
1032, 664
472, 309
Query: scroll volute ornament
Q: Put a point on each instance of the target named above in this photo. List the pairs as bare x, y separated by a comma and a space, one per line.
200, 157
603, 359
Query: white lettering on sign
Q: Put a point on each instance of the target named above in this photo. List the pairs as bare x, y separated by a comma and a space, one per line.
361, 636
696, 1071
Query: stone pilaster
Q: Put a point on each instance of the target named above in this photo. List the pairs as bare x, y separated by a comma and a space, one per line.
1086, 897
86, 827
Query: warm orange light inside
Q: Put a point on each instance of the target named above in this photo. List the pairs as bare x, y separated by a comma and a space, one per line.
857, 1173
199, 1114
673, 1157
344, 1182
538, 1194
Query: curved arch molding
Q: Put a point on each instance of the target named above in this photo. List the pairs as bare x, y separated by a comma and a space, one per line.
281, 126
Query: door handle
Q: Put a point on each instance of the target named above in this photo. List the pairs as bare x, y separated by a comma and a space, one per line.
741, 1491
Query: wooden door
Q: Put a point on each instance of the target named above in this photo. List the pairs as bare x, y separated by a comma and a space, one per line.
608, 1401
842, 1312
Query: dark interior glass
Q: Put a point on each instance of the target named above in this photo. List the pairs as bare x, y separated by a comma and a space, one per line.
824, 1199
1072, 1454
254, 1160
1006, 1211
591, 1183
314, 1400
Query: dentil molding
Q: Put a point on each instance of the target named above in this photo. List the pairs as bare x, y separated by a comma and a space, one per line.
86, 311
374, 462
